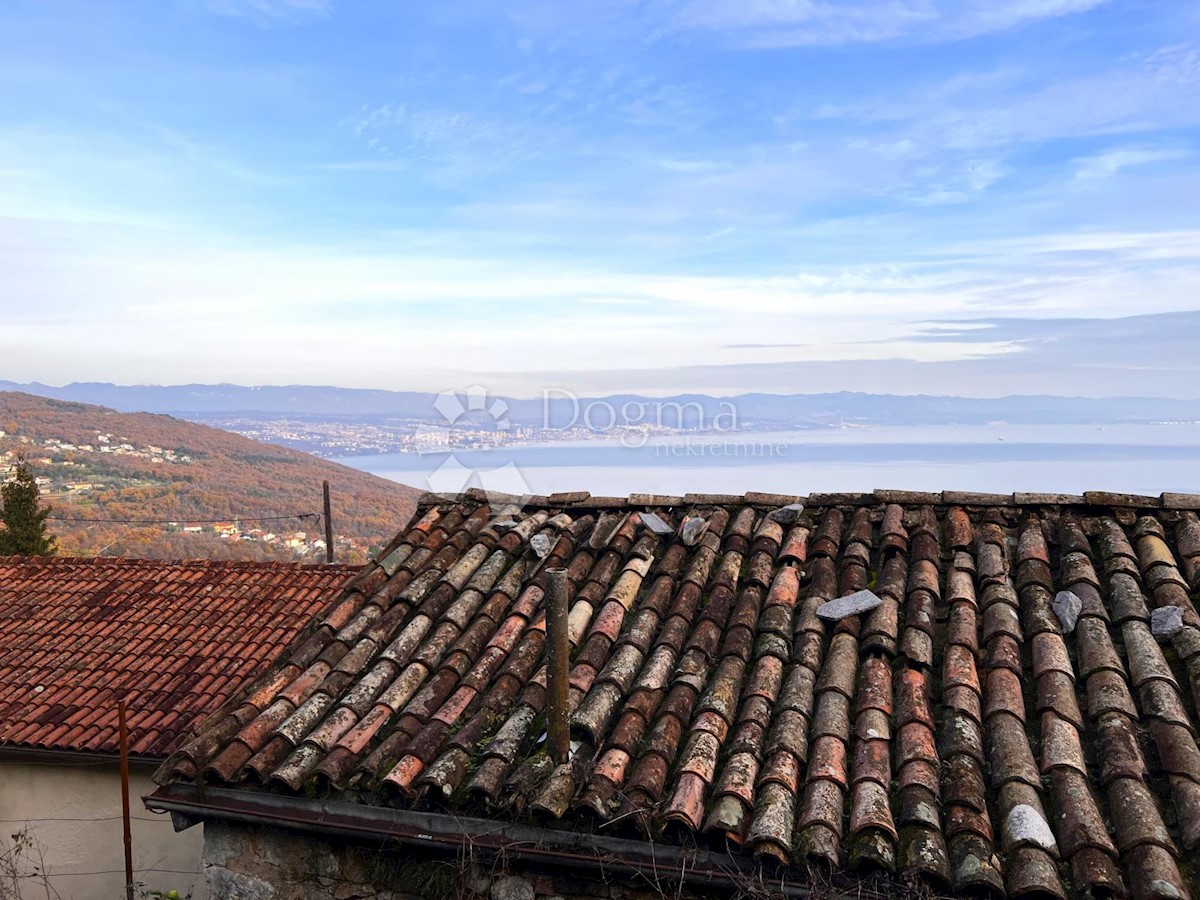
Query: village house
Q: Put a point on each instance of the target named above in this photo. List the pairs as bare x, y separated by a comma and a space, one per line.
882, 694
175, 640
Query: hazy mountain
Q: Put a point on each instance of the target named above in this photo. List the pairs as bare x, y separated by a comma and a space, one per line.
763, 410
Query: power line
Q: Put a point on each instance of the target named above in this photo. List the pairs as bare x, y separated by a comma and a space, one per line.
56, 764
108, 872
79, 819
231, 518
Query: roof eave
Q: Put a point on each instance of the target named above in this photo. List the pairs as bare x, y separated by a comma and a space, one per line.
67, 757
457, 835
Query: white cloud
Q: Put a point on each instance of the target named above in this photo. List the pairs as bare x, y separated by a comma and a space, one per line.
270, 13
1109, 163
1127, 246
1151, 91
826, 22
367, 165
406, 318
689, 166
376, 118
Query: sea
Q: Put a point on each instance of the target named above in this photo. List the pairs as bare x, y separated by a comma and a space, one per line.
1143, 459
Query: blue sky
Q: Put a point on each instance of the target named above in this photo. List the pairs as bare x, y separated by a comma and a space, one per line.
703, 194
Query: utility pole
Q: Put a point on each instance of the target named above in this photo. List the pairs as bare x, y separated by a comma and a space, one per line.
328, 526
559, 649
124, 737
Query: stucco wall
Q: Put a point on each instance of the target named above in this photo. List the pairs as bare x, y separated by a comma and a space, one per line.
262, 863
86, 801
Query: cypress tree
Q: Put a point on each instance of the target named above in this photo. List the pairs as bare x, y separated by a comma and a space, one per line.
22, 518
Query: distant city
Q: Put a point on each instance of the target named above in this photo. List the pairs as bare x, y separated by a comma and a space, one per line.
338, 439
341, 423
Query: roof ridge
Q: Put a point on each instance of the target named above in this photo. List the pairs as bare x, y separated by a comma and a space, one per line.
585, 500
150, 562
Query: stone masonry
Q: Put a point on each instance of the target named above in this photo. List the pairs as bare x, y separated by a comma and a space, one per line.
265, 863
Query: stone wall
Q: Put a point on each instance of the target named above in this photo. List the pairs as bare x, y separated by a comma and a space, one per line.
263, 863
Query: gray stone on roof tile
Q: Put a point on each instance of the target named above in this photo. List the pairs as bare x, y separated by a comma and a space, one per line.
1067, 607
655, 523
1166, 622
1026, 825
786, 515
542, 544
692, 529
850, 605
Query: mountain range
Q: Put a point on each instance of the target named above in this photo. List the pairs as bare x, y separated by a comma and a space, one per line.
755, 410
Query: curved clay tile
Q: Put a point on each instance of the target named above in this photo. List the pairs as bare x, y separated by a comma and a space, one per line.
939, 736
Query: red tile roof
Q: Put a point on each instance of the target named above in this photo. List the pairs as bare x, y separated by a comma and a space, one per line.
176, 639
940, 736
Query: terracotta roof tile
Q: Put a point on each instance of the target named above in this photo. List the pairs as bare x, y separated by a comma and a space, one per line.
175, 639
941, 736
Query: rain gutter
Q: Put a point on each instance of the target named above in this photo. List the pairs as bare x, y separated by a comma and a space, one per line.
660, 865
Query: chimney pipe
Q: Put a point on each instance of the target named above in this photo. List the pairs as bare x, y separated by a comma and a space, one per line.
558, 655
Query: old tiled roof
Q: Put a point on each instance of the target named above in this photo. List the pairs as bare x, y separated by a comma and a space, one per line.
959, 733
175, 639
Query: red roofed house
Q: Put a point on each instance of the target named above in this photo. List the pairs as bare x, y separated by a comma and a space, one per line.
176, 640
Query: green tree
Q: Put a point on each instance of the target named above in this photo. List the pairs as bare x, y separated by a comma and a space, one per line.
22, 518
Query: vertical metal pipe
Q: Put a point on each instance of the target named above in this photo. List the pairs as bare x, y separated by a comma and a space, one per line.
124, 736
558, 654
328, 524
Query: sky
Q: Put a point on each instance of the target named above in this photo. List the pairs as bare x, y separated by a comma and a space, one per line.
974, 197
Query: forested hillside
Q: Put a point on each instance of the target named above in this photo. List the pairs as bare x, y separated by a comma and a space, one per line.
185, 490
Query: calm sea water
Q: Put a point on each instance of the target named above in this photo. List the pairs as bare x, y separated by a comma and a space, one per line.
999, 458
